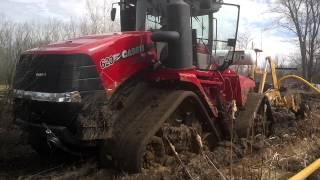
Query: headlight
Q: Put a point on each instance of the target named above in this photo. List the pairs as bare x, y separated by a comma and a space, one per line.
48, 97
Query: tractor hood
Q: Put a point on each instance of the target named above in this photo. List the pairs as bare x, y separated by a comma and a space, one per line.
56, 82
84, 64
90, 44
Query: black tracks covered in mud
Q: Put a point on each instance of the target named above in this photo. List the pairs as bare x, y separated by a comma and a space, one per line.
245, 118
149, 109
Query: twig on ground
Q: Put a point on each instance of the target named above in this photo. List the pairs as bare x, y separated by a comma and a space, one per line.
173, 149
200, 143
45, 171
214, 166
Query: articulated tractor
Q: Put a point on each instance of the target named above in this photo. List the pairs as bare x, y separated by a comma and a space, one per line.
133, 95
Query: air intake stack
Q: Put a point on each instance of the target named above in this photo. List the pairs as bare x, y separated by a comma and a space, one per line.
180, 51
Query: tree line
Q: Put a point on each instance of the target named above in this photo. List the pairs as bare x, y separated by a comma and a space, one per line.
16, 37
301, 17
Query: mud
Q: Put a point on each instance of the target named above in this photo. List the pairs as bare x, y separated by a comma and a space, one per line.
294, 144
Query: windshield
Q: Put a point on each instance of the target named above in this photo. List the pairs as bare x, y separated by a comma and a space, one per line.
215, 29
150, 15
214, 33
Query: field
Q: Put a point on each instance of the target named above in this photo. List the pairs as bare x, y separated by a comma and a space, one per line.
294, 144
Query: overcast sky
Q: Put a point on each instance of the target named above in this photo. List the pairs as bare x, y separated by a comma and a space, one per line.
255, 18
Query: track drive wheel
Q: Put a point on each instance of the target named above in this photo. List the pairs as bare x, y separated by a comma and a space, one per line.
158, 119
256, 118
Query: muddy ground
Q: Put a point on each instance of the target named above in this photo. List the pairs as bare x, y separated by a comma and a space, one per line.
294, 144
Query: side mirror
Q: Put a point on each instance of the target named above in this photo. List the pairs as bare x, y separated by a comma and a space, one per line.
165, 36
113, 14
231, 42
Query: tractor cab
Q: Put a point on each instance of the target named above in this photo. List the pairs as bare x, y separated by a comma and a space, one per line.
212, 28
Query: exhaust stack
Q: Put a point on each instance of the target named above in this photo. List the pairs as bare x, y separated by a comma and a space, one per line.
180, 51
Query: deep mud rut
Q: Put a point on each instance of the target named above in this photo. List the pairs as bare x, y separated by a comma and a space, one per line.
294, 144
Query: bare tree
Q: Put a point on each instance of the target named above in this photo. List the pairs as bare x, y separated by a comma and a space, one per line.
6, 48
18, 37
98, 17
302, 17
244, 40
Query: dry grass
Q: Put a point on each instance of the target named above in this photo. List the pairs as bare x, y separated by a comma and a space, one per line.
3, 86
3, 91
294, 144
5, 107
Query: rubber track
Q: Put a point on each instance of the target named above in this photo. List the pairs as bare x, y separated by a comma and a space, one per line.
245, 117
151, 108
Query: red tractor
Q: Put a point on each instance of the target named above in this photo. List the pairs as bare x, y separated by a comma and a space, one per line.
132, 93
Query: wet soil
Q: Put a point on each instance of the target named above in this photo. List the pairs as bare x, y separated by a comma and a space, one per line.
294, 144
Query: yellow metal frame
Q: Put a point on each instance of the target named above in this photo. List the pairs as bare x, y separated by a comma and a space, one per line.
275, 97
263, 80
264, 75
277, 100
290, 102
274, 94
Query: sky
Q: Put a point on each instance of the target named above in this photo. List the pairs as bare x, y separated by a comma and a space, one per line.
255, 19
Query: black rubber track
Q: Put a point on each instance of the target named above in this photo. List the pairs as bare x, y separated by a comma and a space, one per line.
152, 107
245, 117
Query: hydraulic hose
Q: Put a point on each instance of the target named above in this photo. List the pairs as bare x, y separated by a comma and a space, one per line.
299, 79
307, 171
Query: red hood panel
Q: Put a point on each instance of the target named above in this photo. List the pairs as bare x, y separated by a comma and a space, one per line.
83, 45
117, 56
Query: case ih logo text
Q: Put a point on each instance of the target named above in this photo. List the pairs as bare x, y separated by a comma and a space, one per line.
106, 62
41, 74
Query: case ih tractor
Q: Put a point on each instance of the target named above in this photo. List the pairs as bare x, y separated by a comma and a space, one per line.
135, 94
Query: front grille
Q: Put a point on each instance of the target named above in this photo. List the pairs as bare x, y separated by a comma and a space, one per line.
49, 74
56, 74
